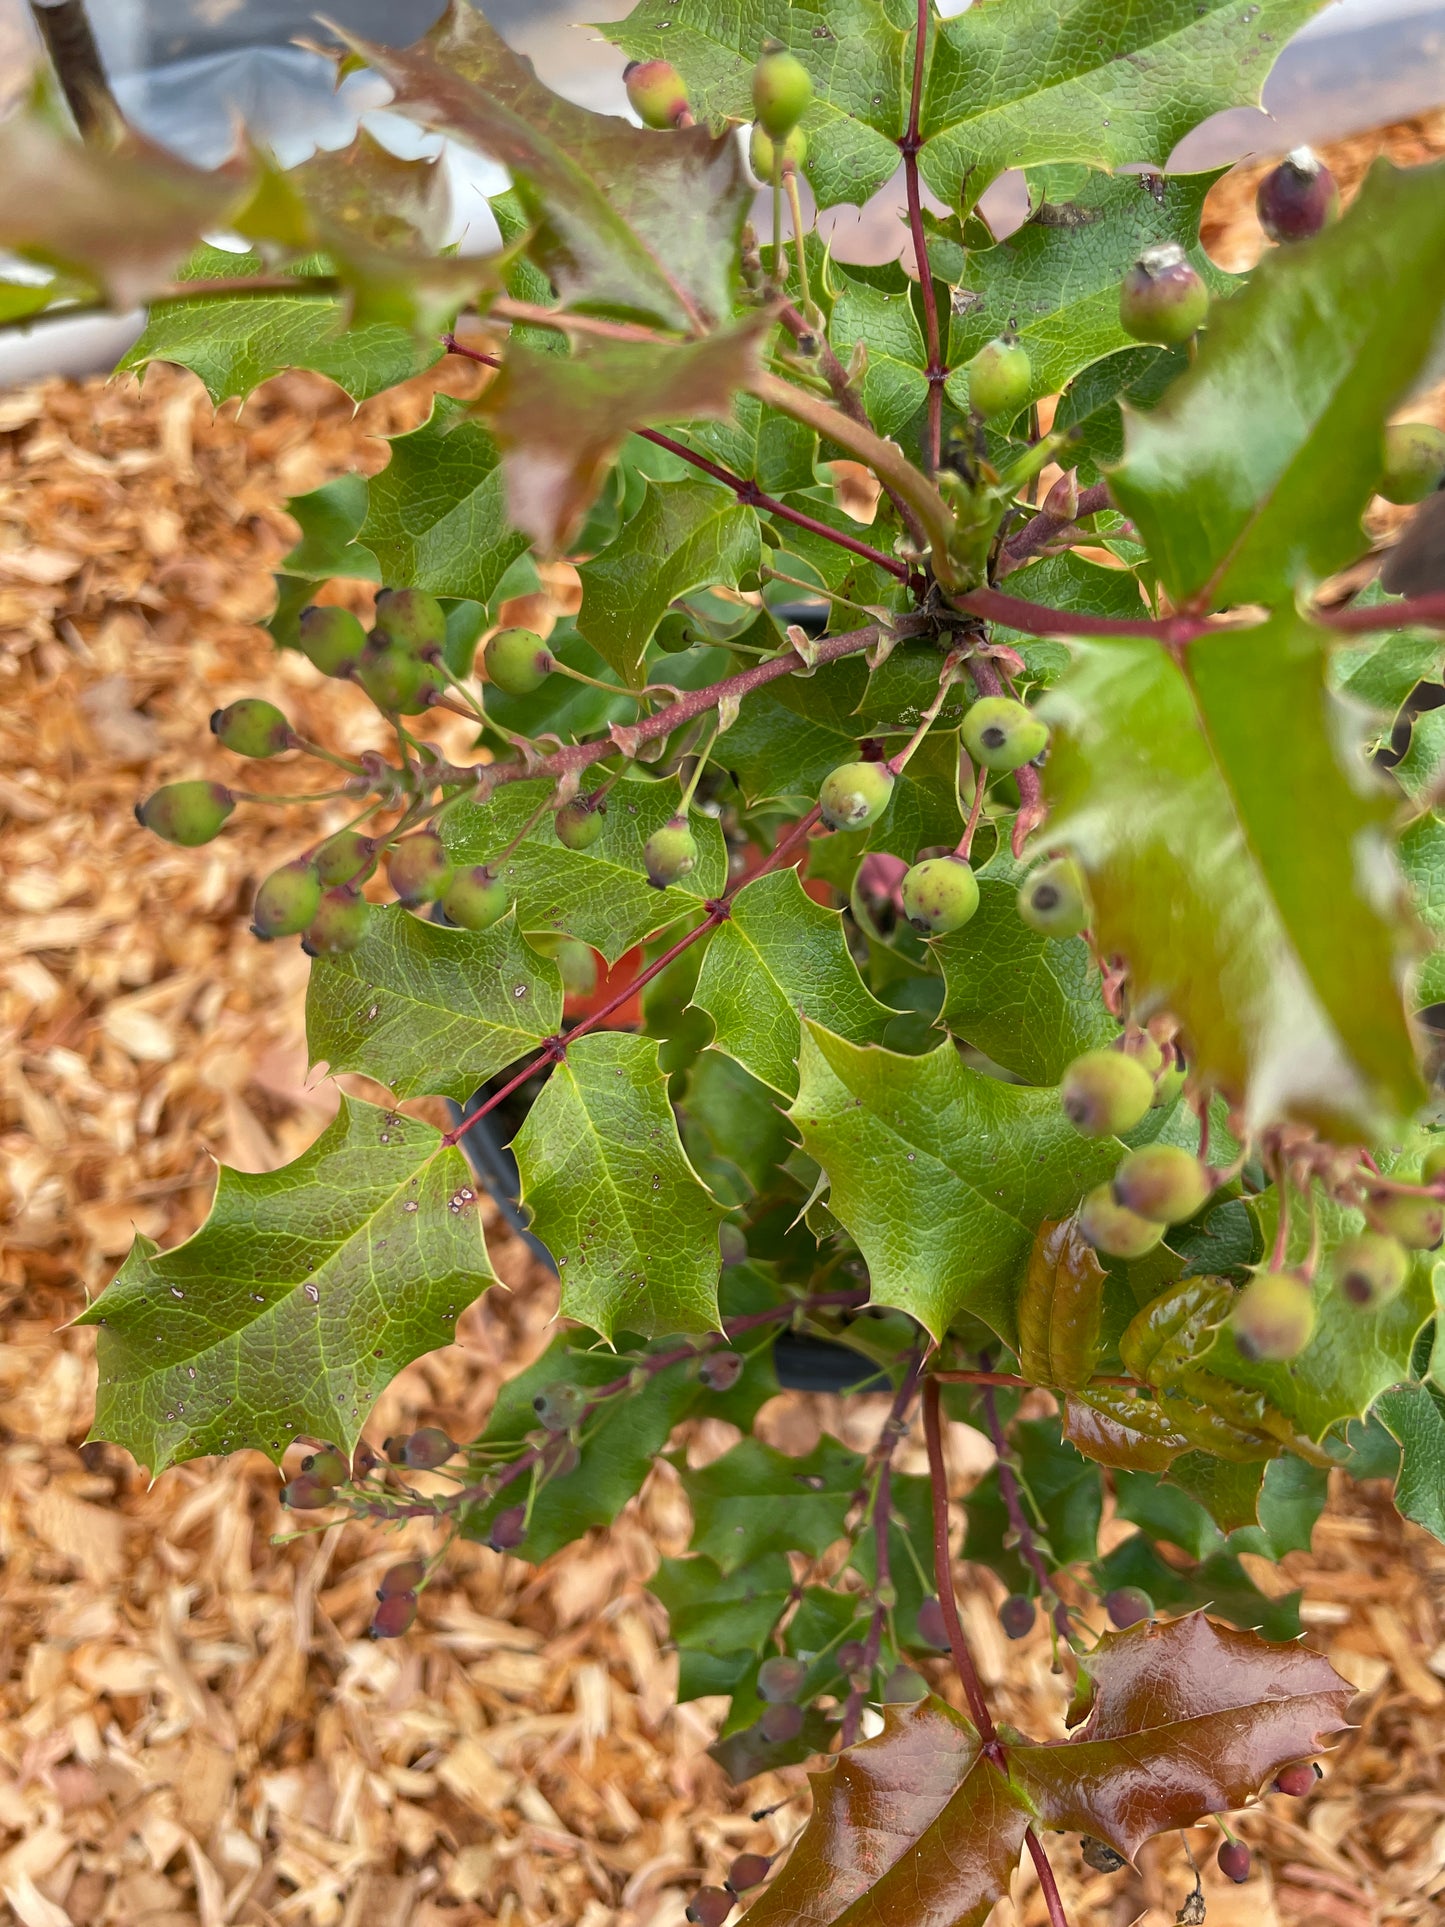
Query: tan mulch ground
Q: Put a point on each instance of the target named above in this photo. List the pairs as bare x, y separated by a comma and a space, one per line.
193, 1729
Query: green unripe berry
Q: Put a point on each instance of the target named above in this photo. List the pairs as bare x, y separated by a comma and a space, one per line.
1167, 1086
339, 924
763, 152
327, 1465
345, 857
1105, 1093
732, 1244
1433, 1165
186, 813
999, 379
475, 899
517, 661
1128, 1606
1148, 1051
855, 794
410, 619
1297, 198
1113, 1230
781, 1678
1162, 298
1370, 1270
418, 867
332, 639
656, 92
903, 1686
577, 964
579, 823
305, 1494
1414, 461
287, 900
781, 91
677, 632
1273, 1317
421, 1451
1163, 1182
939, 895
1002, 734
670, 853
1052, 899
252, 727
1419, 1223
398, 682
560, 1406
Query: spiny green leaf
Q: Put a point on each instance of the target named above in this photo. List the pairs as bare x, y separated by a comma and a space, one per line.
755, 1500
436, 518
940, 1174
1249, 479
1421, 769
1422, 857
684, 536
718, 1620
630, 1226
235, 342
780, 956
600, 895
299, 1299
1031, 1003
733, 1129
759, 444
626, 220
893, 385
1415, 1415
1237, 863
1055, 282
1087, 80
330, 519
424, 1009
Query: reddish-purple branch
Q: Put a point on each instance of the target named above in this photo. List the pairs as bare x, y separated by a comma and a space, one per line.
911, 142
1043, 528
1031, 810
1053, 1900
1428, 610
1008, 1486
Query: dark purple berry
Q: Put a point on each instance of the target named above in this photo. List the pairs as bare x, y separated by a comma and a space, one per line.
509, 1528
720, 1371
781, 1678
781, 1723
1127, 1605
394, 1615
1297, 1780
1295, 200
747, 1871
406, 1577
1016, 1615
852, 1656
1234, 1859
709, 1907
932, 1628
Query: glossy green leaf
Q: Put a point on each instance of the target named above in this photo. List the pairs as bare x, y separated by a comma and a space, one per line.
1091, 404
878, 314
423, 1009
1237, 861
600, 895
235, 342
330, 520
300, 1298
1415, 1415
718, 1621
733, 1129
1249, 479
1060, 1307
631, 1228
754, 1501
1055, 282
1061, 1489
759, 444
1421, 769
1029, 1002
778, 957
1381, 670
436, 517
1422, 857
625, 220
685, 535
941, 1175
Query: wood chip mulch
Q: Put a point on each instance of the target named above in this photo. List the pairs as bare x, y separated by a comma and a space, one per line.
193, 1728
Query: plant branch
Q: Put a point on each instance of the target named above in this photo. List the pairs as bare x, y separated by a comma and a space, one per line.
1036, 619
943, 1569
1427, 610
1008, 1486
911, 142
1044, 528
64, 28
1053, 1900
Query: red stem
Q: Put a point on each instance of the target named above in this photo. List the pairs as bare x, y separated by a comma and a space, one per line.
911, 142
1034, 619
1015, 1383
943, 1568
1053, 1900
1426, 609
1008, 1486
1042, 528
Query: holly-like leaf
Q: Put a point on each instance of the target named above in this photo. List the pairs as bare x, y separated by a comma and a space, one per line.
1415, 1415
300, 1298
625, 220
683, 536
718, 1620
630, 1226
1422, 857
1421, 769
436, 516
1249, 478
1086, 80
235, 342
424, 1009
874, 318
760, 445
330, 520
601, 895
1029, 1002
778, 957
940, 1174
1060, 1308
1238, 863
754, 1501
1055, 282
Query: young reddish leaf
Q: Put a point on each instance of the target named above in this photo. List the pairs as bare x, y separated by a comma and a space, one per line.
1114, 1426
561, 419
1239, 865
626, 220
1189, 1718
912, 1827
1061, 1307
124, 216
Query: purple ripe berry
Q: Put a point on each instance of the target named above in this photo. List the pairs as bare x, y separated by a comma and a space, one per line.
509, 1528
1234, 1860
306, 1494
781, 1678
748, 1870
932, 1629
709, 1907
1128, 1605
1016, 1615
328, 1466
781, 1723
1297, 1780
406, 1577
1297, 198
394, 1615
425, 1450
720, 1371
852, 1656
